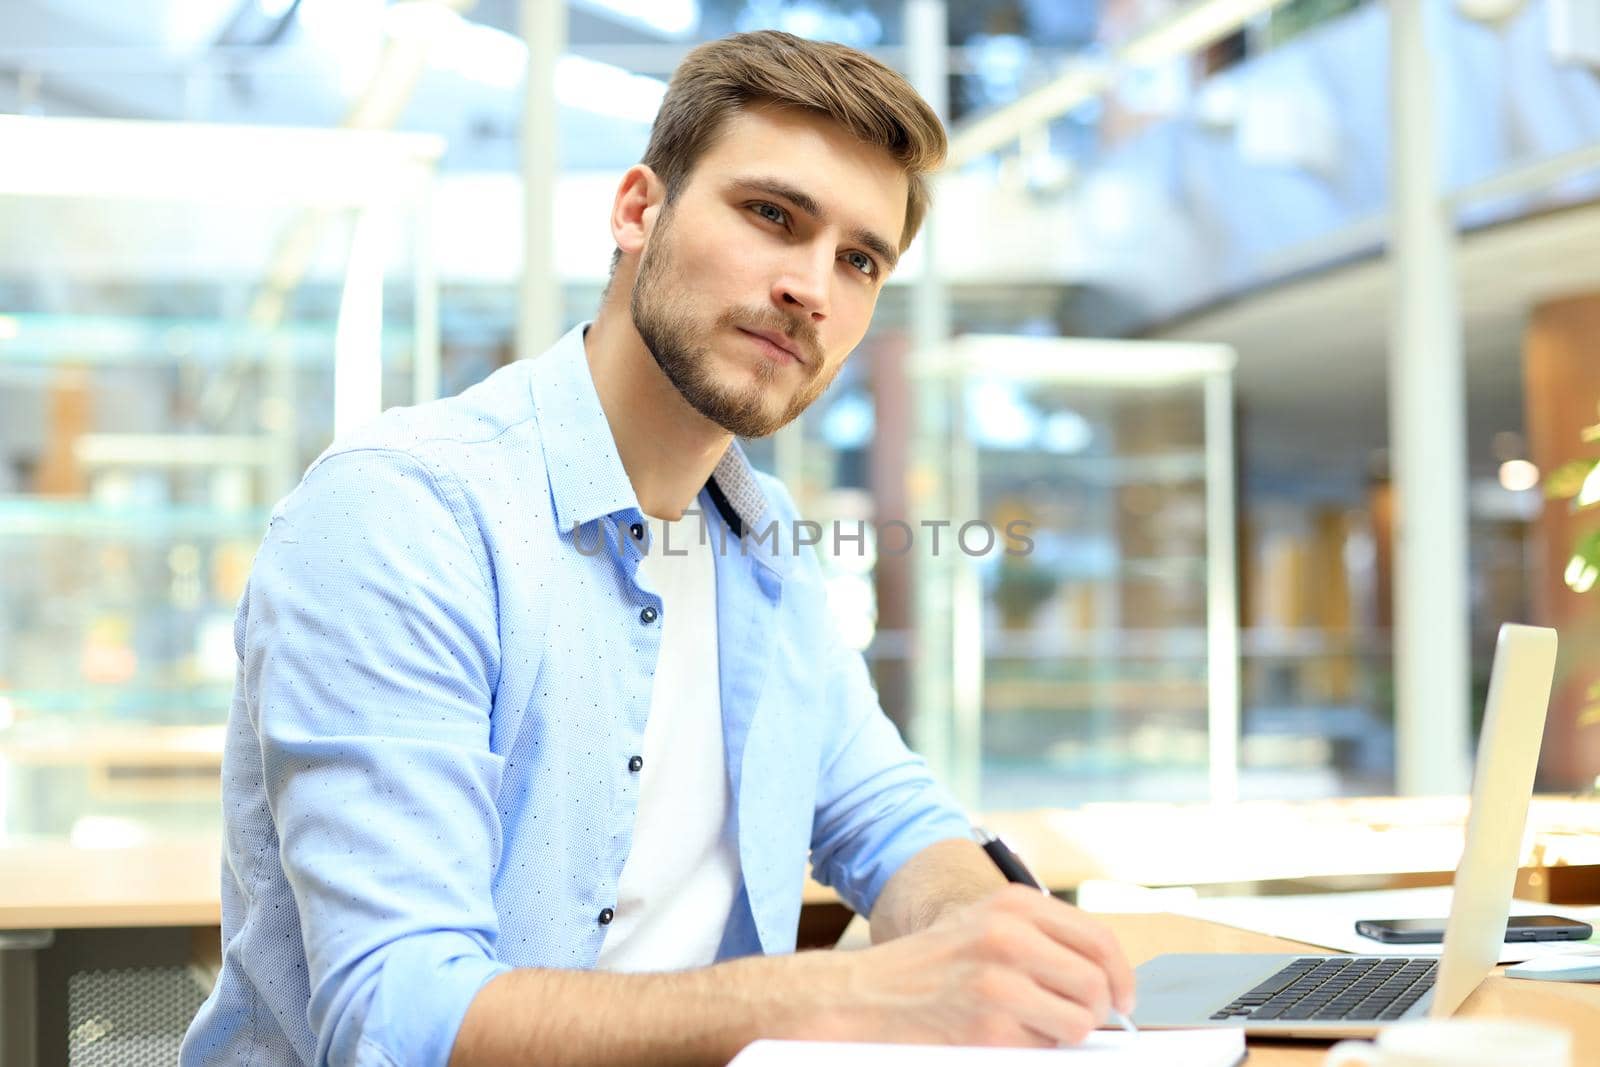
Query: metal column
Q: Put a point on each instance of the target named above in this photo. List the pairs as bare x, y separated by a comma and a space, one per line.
544, 28
425, 362
1222, 593
943, 732
1427, 435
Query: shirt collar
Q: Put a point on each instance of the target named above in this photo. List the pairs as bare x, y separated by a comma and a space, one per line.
587, 479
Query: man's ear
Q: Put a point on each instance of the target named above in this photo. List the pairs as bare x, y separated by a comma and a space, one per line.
633, 213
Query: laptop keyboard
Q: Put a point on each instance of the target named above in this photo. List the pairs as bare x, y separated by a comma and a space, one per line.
1337, 988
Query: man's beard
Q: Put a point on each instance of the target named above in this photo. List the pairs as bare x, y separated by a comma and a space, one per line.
685, 358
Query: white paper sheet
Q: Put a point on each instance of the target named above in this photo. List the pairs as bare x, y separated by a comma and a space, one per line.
1328, 920
1104, 1048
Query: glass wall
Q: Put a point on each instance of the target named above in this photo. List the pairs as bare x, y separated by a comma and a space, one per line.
168, 368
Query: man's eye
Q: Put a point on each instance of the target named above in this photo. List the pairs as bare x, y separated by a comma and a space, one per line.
863, 262
771, 212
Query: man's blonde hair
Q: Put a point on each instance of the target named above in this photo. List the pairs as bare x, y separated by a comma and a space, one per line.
871, 101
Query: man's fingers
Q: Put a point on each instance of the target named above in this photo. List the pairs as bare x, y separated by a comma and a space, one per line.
1064, 973
1080, 934
1022, 1012
1077, 931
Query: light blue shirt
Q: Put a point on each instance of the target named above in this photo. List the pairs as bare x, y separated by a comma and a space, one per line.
445, 660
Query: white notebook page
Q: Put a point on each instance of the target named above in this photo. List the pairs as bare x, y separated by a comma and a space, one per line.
1103, 1048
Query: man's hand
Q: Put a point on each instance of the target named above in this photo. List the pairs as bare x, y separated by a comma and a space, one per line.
1016, 968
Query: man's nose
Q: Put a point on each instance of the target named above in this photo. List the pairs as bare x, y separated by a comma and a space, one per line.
803, 286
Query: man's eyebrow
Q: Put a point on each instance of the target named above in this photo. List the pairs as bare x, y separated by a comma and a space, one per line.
808, 204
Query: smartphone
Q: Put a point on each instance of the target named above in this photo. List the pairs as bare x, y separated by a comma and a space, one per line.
1431, 931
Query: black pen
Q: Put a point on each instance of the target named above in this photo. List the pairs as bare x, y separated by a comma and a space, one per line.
1014, 871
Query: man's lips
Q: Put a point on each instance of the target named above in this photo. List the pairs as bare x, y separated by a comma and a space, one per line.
777, 340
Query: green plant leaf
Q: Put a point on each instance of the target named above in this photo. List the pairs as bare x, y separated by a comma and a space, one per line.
1589, 495
1583, 569
1567, 480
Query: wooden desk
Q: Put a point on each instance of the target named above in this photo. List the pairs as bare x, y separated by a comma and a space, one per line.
1572, 1006
53, 885
125, 763
64, 909
176, 882
174, 885
1280, 841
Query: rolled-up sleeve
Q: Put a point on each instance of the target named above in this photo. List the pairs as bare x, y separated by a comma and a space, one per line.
370, 658
877, 803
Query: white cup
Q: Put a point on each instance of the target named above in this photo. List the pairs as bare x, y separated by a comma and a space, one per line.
1458, 1043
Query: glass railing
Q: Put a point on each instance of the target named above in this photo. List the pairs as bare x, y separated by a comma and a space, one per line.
1216, 179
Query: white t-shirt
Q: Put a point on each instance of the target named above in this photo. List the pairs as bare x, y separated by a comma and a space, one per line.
680, 878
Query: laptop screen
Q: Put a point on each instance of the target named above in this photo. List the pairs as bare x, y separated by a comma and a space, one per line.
1502, 783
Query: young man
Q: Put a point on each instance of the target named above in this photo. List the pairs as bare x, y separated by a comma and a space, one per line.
509, 778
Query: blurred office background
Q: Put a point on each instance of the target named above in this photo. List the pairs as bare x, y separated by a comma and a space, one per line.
1279, 320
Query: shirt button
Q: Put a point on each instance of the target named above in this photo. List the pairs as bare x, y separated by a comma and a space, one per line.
635, 764
648, 615
606, 915
637, 529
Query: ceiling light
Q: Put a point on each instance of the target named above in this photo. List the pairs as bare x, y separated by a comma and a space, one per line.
848, 423
352, 31
676, 18
999, 417
600, 87
482, 54
499, 59
1517, 475
1489, 10
1066, 432
421, 21
336, 22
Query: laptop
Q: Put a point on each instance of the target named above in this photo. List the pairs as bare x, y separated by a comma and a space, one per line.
1313, 996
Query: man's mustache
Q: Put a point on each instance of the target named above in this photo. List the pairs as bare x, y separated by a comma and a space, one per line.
802, 333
